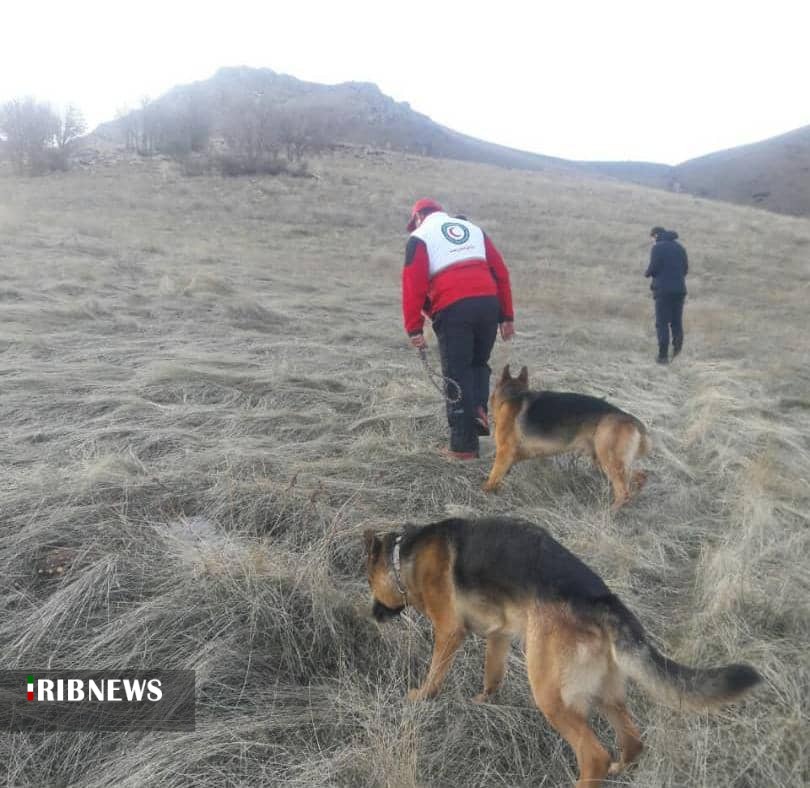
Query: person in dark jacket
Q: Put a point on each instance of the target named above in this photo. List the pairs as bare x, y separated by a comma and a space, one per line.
668, 268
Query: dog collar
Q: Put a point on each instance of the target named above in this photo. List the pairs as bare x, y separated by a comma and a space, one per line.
395, 564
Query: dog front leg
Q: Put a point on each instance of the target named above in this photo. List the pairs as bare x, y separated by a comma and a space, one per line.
494, 665
504, 460
445, 645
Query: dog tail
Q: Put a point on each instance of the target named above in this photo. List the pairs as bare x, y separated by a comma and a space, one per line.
668, 681
644, 440
642, 443
645, 444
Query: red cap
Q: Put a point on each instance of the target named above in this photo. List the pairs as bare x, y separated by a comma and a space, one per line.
422, 205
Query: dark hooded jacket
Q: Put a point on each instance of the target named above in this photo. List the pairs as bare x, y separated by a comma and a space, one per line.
668, 265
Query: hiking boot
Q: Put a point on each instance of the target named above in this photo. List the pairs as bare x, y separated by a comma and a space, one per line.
662, 360
449, 454
481, 421
676, 348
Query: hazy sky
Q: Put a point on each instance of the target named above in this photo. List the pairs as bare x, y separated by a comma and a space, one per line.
612, 79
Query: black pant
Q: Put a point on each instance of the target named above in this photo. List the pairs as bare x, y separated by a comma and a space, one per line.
466, 331
669, 312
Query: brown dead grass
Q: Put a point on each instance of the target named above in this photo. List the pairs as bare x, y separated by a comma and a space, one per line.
207, 396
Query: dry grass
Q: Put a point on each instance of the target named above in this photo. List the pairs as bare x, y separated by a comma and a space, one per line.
207, 396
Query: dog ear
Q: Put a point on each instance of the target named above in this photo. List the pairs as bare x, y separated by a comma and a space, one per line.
523, 377
371, 542
505, 375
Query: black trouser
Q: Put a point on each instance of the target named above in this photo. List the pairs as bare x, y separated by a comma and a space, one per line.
669, 312
466, 331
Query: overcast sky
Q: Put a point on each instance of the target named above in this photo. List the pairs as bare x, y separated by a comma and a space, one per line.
609, 79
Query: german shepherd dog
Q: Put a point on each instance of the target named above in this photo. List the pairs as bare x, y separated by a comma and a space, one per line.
503, 578
542, 423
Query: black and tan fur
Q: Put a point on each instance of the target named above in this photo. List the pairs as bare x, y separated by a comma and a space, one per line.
543, 423
505, 579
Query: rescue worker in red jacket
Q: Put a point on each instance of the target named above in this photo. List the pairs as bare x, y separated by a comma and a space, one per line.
454, 275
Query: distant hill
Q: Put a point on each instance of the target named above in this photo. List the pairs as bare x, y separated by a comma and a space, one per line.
659, 176
773, 174
355, 113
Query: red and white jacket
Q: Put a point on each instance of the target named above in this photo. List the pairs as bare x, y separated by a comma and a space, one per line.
446, 260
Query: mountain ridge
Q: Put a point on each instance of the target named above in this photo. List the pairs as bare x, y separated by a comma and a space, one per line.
773, 174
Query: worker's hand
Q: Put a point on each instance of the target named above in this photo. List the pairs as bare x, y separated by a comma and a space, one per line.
418, 341
507, 330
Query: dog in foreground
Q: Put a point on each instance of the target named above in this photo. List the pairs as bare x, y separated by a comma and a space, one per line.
542, 423
503, 578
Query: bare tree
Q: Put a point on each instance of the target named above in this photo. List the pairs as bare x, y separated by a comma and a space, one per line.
182, 127
198, 123
251, 128
175, 128
71, 126
147, 127
128, 120
30, 130
292, 129
303, 130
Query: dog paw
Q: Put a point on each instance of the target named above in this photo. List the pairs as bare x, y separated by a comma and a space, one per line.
619, 503
482, 697
617, 767
640, 479
421, 693
487, 487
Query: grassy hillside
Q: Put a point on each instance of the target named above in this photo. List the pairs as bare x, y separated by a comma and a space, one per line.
773, 174
207, 396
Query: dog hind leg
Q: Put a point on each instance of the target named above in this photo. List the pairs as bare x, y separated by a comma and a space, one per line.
637, 481
636, 446
627, 734
547, 654
611, 453
611, 704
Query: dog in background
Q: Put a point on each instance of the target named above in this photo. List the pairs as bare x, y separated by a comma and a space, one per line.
503, 578
543, 423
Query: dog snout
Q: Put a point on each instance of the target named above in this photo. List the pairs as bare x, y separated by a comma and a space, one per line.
383, 613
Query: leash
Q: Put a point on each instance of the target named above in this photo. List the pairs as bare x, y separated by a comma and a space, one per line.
397, 572
397, 569
435, 377
501, 355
